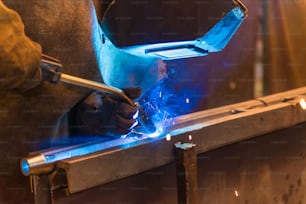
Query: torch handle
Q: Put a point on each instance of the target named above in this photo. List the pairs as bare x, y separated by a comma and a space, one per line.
95, 86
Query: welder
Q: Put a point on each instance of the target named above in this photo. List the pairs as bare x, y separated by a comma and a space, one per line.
35, 114
68, 30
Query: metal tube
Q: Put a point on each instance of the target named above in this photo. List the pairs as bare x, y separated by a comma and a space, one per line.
95, 86
44, 161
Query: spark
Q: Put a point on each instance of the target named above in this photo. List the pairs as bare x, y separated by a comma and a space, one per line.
236, 193
190, 137
168, 137
303, 103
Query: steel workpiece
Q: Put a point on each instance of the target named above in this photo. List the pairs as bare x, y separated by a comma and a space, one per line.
208, 129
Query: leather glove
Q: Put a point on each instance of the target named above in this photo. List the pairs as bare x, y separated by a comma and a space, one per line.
105, 114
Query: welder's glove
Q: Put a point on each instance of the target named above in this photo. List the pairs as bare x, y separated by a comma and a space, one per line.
105, 114
19, 56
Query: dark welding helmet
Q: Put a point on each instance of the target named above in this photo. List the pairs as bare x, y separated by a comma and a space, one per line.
172, 29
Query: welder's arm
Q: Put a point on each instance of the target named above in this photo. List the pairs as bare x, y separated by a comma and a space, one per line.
105, 114
19, 55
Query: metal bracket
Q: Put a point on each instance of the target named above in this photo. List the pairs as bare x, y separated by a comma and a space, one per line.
186, 173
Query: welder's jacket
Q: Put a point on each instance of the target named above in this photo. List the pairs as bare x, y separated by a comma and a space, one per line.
19, 56
29, 119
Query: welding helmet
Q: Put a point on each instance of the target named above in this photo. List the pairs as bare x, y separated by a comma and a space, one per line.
165, 28
140, 35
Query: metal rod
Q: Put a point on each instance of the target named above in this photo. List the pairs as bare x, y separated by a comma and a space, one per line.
95, 86
44, 161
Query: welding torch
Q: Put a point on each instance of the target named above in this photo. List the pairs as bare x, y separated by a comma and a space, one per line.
52, 72
44, 161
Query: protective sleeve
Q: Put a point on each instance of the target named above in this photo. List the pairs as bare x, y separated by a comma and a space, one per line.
19, 55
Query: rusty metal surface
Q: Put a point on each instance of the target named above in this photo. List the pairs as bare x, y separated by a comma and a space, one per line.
186, 173
209, 130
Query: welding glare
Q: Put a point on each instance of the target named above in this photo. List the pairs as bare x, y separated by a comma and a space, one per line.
155, 134
236, 193
135, 116
135, 124
160, 104
303, 103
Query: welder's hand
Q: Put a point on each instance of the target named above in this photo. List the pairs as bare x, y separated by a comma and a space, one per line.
106, 114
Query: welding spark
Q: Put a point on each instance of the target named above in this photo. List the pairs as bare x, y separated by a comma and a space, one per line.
168, 137
303, 103
190, 137
162, 103
155, 105
236, 193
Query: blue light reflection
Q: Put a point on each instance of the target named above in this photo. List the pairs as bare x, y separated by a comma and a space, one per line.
65, 152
